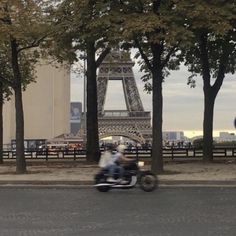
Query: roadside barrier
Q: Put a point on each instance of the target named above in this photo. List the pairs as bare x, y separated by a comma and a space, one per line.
138, 153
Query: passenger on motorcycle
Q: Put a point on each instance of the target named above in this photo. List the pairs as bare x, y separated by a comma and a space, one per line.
107, 157
118, 160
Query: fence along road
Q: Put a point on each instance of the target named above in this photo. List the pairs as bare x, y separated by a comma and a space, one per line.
80, 154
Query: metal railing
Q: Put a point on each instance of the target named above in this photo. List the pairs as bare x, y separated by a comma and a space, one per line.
80, 154
118, 113
46, 154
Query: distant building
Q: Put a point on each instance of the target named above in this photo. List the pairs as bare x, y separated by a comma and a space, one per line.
75, 117
173, 135
46, 105
226, 136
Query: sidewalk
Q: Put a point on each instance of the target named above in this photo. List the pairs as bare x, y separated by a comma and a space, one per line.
75, 173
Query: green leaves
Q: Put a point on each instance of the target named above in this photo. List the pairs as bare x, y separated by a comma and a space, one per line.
25, 23
216, 20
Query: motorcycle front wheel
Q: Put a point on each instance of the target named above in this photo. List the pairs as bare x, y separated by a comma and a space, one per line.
148, 181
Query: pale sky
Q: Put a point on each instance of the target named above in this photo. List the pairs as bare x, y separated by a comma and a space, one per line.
183, 106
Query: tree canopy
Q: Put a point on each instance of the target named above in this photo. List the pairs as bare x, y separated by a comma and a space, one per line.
211, 52
24, 25
157, 29
87, 27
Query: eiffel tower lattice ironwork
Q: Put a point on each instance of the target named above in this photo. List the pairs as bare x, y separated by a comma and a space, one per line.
134, 122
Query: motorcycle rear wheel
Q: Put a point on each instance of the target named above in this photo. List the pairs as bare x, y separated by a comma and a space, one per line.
148, 181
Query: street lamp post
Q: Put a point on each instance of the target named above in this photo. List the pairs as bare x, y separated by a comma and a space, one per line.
85, 103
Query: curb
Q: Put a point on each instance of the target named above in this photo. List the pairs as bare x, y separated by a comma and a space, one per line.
198, 182
89, 183
46, 182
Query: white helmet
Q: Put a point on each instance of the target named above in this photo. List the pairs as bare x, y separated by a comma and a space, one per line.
121, 148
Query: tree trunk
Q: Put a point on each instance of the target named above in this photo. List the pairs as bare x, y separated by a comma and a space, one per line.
157, 103
20, 156
210, 93
1, 124
20, 150
208, 104
209, 101
92, 145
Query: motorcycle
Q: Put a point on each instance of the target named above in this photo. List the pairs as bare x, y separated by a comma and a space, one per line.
133, 175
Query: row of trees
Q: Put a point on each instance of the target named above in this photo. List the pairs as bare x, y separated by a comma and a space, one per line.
24, 26
199, 33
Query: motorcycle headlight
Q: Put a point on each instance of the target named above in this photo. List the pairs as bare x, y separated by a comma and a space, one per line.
141, 163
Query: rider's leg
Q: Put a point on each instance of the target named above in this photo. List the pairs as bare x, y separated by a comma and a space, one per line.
111, 172
121, 171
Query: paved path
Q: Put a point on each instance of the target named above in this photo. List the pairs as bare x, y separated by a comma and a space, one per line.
81, 174
86, 212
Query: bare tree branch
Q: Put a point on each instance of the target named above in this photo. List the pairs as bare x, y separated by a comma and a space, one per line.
168, 56
222, 70
143, 55
34, 44
102, 56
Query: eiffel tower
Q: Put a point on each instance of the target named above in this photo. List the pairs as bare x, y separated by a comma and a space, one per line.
133, 123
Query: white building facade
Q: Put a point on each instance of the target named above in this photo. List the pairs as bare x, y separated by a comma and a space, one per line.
46, 105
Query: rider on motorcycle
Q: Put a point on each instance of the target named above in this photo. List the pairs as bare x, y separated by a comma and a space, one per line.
118, 160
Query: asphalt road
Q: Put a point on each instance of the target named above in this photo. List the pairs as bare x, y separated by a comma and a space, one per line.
86, 212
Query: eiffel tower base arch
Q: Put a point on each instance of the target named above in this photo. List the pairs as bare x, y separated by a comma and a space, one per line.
136, 129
